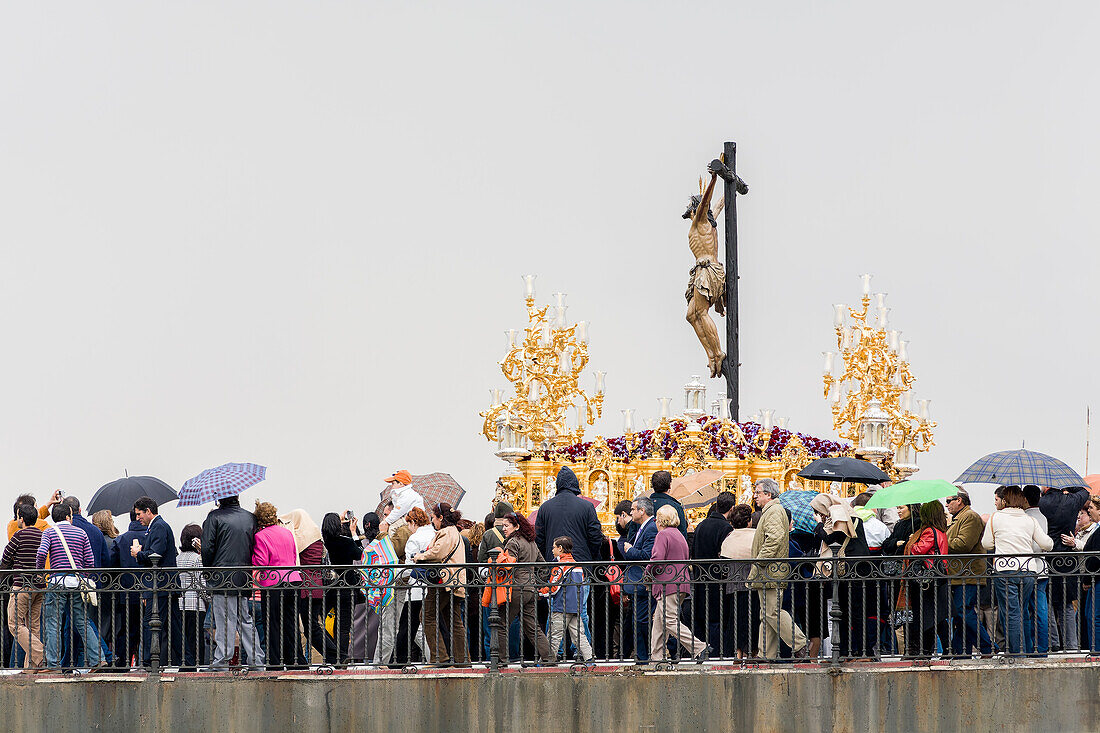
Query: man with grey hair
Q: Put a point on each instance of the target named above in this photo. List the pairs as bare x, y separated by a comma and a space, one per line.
641, 513
770, 544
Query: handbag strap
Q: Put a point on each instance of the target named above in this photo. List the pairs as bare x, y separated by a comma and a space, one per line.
65, 544
451, 553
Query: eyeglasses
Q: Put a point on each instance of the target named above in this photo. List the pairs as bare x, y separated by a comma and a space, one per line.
952, 498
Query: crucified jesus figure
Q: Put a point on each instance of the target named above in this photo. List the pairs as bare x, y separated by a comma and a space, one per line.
707, 280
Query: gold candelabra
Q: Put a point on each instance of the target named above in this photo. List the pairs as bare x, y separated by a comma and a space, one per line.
544, 369
872, 396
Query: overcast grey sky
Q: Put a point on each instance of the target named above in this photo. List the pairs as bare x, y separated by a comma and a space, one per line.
293, 233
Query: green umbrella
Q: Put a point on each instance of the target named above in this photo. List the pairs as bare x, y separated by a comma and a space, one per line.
912, 492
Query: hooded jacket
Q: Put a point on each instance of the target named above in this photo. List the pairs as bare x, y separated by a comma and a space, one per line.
120, 558
568, 514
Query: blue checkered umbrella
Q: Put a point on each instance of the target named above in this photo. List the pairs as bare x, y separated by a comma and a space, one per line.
798, 504
221, 482
1020, 467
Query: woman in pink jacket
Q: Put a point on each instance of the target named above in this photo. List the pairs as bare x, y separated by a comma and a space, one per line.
274, 548
671, 585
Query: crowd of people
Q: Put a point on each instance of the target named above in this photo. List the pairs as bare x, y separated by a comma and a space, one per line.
420, 584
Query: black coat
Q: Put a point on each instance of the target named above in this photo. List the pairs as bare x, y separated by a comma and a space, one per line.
228, 536
709, 534
161, 541
895, 543
1060, 507
568, 514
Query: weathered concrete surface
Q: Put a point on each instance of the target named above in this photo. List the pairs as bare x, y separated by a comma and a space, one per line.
1033, 697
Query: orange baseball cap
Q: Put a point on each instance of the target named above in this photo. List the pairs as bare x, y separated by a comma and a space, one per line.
401, 477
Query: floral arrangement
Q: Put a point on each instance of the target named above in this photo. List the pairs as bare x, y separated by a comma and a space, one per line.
720, 446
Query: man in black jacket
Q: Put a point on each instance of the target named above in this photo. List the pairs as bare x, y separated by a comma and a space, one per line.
159, 540
568, 514
228, 535
1060, 507
127, 605
710, 603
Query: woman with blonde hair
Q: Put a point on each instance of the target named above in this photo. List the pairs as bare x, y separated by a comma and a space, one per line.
671, 585
105, 521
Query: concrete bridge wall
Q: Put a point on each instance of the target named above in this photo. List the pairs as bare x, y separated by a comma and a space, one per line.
1009, 698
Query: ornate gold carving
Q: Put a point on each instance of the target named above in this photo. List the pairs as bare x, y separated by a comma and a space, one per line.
544, 370
875, 367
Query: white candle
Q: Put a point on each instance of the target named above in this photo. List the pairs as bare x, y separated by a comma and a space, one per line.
582, 331
838, 314
866, 284
628, 421
529, 286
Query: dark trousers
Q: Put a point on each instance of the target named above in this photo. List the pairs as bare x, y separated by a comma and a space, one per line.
967, 632
127, 628
171, 631
405, 648
279, 608
641, 604
194, 638
441, 608
524, 605
341, 601
312, 612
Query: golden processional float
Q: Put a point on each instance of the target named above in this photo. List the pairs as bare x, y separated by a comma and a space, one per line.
535, 438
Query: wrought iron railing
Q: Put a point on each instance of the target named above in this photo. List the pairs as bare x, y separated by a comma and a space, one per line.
797, 610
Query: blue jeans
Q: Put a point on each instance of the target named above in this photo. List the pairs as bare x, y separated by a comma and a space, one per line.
1091, 610
584, 612
1037, 607
966, 631
641, 603
53, 607
1012, 590
514, 635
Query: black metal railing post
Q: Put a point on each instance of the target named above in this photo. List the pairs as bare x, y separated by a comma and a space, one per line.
494, 612
835, 613
154, 618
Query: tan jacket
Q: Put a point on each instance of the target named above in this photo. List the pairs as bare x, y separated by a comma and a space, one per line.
441, 546
771, 542
964, 537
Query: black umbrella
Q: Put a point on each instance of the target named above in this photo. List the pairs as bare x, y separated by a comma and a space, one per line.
119, 496
845, 470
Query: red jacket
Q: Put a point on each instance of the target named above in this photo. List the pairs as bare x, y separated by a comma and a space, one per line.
929, 542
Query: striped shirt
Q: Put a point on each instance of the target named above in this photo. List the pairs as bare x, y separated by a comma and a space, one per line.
51, 547
20, 554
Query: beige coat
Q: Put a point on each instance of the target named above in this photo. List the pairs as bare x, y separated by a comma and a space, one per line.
964, 537
770, 543
441, 546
